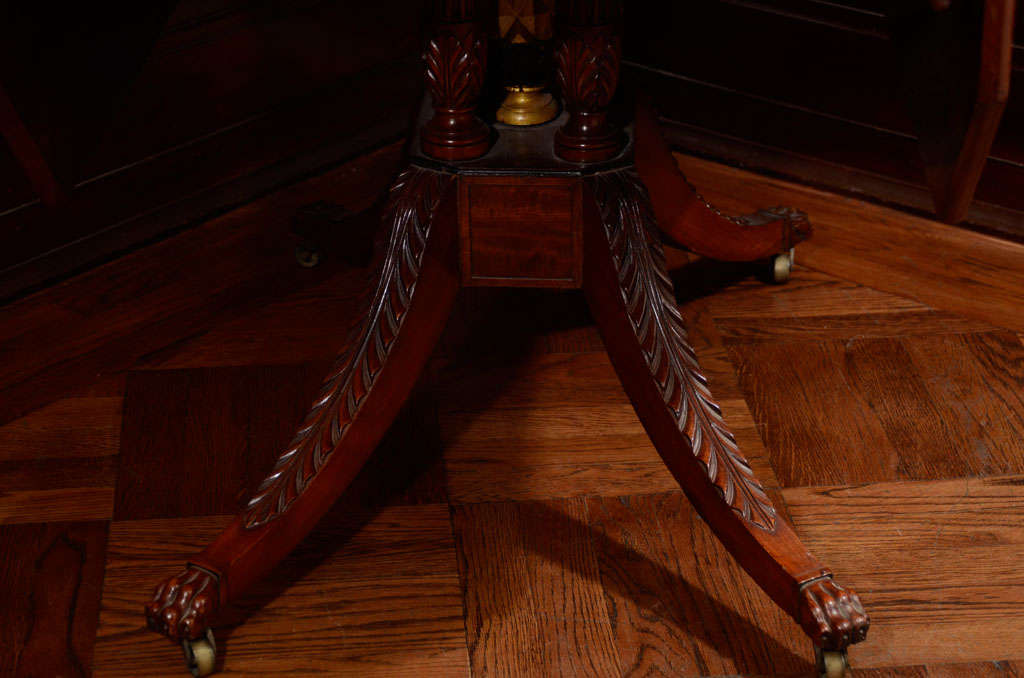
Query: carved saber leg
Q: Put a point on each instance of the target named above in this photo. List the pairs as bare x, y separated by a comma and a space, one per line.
360, 397
690, 221
631, 296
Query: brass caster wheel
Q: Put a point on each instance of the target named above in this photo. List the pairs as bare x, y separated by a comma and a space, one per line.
782, 265
200, 655
832, 664
307, 256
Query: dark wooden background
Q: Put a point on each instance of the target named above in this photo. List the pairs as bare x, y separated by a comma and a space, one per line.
137, 120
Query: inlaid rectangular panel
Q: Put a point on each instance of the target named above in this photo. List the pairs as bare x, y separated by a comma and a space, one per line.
520, 231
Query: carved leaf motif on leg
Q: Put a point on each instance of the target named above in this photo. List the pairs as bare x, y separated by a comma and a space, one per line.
649, 298
414, 197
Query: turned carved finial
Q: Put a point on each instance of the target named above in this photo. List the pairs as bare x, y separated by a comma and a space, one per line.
587, 61
456, 60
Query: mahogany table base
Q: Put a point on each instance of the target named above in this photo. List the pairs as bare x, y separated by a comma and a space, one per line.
477, 224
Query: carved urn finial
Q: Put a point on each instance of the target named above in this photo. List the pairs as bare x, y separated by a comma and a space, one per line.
588, 73
456, 60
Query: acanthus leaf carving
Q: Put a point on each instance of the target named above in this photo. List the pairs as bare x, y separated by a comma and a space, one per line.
456, 61
648, 295
588, 68
414, 197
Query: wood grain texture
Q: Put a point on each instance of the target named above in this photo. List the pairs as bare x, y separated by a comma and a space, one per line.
49, 604
679, 603
533, 599
555, 426
578, 547
195, 441
915, 408
496, 324
66, 428
807, 294
53, 490
366, 594
520, 234
104, 321
304, 327
848, 326
870, 244
936, 562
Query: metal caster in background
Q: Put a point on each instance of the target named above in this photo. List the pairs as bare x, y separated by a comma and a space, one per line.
307, 255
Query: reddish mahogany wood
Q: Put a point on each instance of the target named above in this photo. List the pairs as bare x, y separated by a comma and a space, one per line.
520, 231
588, 59
456, 60
692, 222
519, 226
953, 187
360, 398
631, 297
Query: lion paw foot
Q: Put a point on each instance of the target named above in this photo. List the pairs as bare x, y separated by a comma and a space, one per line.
183, 605
832, 616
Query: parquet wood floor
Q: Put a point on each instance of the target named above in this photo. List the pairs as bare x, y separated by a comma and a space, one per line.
516, 521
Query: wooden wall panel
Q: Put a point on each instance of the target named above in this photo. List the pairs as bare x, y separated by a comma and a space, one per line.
208, 106
815, 91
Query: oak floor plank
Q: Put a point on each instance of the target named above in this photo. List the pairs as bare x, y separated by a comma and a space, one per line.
51, 490
894, 408
497, 322
109, 317
679, 604
944, 267
52, 578
807, 294
364, 595
308, 326
978, 380
536, 425
937, 564
990, 669
66, 428
878, 379
810, 416
847, 326
196, 441
534, 605
541, 451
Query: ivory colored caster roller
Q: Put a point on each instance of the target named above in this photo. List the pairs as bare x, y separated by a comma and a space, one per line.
832, 664
782, 265
200, 655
